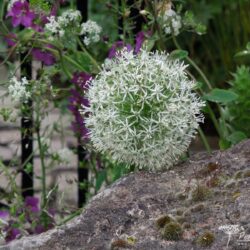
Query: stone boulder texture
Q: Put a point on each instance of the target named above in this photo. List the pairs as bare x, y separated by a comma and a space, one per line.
181, 208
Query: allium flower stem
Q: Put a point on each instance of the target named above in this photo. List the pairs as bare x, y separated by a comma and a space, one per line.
197, 68
204, 140
203, 76
41, 154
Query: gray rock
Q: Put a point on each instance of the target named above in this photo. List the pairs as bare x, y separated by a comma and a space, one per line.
126, 213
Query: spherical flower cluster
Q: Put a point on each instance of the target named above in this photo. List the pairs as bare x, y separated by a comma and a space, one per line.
58, 26
171, 22
142, 109
91, 32
18, 89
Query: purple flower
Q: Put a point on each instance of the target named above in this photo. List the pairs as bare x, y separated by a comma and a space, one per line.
4, 214
12, 233
77, 101
81, 80
32, 203
21, 14
139, 40
116, 47
44, 56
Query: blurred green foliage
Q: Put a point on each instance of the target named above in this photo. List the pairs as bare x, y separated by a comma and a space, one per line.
228, 30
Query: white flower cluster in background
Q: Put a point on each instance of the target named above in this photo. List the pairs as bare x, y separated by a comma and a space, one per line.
18, 89
91, 32
143, 110
171, 22
65, 155
57, 26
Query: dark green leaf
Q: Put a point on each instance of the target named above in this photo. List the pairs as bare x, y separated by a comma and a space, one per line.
221, 96
237, 137
179, 54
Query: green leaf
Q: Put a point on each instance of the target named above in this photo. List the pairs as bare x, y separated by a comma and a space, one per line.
243, 53
248, 46
25, 35
179, 54
101, 176
224, 144
237, 137
222, 96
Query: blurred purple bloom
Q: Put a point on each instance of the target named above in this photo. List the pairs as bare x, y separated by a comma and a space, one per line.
32, 203
11, 39
81, 80
44, 56
78, 101
21, 14
116, 47
4, 214
139, 40
12, 233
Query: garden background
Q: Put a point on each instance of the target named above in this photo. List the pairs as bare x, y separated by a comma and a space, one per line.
220, 51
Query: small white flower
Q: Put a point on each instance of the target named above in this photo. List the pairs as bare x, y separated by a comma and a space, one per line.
65, 155
91, 32
171, 22
68, 19
18, 89
143, 110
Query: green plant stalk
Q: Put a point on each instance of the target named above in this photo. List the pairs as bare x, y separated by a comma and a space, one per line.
1, 18
88, 54
41, 154
204, 140
72, 216
203, 76
12, 180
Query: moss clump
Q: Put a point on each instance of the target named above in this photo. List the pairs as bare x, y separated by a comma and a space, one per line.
172, 231
181, 196
198, 208
186, 225
209, 168
180, 219
200, 193
238, 175
246, 174
119, 243
163, 220
206, 239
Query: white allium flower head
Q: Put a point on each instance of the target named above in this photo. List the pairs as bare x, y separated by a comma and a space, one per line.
91, 32
143, 110
18, 89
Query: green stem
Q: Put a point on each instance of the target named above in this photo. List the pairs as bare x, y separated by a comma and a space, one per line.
204, 140
89, 55
203, 76
197, 68
41, 153
72, 216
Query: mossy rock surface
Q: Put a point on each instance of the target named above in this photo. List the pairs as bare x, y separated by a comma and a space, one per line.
129, 208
